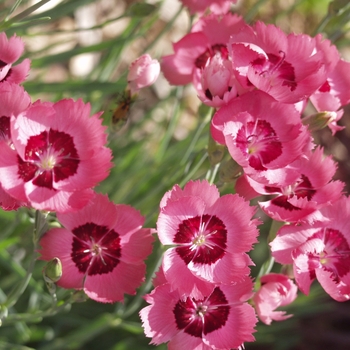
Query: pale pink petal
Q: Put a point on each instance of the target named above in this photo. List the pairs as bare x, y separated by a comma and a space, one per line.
158, 318
10, 181
174, 267
19, 73
14, 99
100, 211
237, 330
111, 287
10, 49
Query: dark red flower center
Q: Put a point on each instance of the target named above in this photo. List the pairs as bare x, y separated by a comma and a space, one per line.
198, 317
49, 157
302, 188
202, 239
202, 59
276, 66
259, 143
95, 249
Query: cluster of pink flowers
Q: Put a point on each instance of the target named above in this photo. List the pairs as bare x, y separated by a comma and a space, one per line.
202, 288
52, 155
260, 80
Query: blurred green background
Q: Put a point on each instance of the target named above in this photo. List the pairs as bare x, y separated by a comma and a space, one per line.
82, 49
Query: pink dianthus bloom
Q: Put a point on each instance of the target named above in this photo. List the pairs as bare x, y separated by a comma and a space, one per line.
319, 251
220, 319
13, 100
288, 67
209, 36
10, 51
102, 248
334, 93
211, 235
143, 72
216, 84
276, 290
260, 133
57, 155
298, 190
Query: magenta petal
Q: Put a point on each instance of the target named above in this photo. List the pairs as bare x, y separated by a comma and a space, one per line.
158, 318
109, 288
173, 267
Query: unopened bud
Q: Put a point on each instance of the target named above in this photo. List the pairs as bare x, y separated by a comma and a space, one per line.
215, 151
79, 296
52, 271
229, 171
319, 120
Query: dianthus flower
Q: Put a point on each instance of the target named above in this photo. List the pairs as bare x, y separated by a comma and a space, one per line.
298, 190
220, 319
210, 236
102, 248
57, 155
10, 51
288, 67
334, 93
260, 133
319, 251
143, 72
208, 37
13, 100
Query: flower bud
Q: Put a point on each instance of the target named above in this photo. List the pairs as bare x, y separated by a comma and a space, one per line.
52, 271
229, 171
319, 120
143, 72
215, 151
217, 82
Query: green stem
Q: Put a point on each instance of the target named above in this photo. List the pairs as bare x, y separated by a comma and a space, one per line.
211, 174
39, 227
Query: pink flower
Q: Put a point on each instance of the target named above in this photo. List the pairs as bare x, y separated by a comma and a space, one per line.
276, 290
288, 67
13, 100
102, 248
218, 7
334, 93
143, 72
10, 51
59, 155
299, 190
220, 319
209, 37
320, 250
217, 83
211, 235
259, 132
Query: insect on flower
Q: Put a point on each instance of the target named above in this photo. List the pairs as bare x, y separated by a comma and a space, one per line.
121, 113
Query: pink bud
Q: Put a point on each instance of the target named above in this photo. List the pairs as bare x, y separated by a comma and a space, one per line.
216, 76
217, 82
143, 72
